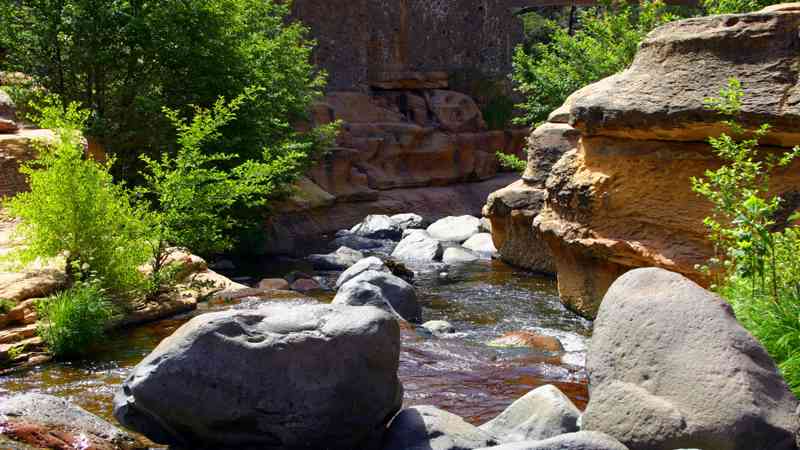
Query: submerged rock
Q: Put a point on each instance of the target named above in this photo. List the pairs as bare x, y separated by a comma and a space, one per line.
543, 413
356, 242
528, 339
583, 440
275, 284
455, 228
42, 420
339, 260
419, 247
430, 428
670, 367
439, 327
381, 290
277, 377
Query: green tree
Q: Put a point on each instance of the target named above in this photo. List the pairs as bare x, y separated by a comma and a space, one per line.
128, 59
605, 44
75, 209
196, 201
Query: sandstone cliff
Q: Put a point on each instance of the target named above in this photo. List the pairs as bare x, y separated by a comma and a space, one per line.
426, 151
620, 197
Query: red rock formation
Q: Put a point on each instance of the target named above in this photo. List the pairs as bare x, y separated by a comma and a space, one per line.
621, 197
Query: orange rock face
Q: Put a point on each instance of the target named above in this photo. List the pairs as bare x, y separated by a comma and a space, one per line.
621, 197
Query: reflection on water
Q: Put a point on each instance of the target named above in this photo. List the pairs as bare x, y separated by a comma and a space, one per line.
461, 374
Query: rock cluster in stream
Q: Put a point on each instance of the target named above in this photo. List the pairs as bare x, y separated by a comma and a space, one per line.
669, 367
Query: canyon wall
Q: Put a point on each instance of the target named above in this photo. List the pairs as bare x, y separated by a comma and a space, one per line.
425, 151
620, 195
364, 43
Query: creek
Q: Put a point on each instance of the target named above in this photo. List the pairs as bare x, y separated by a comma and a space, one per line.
460, 373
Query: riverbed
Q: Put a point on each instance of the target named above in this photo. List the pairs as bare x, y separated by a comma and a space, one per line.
460, 373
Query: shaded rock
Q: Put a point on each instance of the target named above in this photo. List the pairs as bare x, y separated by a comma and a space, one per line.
439, 327
542, 413
459, 255
370, 263
356, 242
410, 231
276, 284
297, 275
45, 421
529, 339
455, 111
8, 114
381, 290
399, 269
340, 259
455, 228
305, 285
407, 221
583, 440
223, 264
482, 244
486, 225
378, 226
218, 286
419, 247
670, 367
326, 374
430, 428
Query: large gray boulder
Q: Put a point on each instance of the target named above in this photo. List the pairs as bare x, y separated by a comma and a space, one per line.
378, 226
430, 428
49, 419
670, 367
542, 413
381, 290
277, 377
418, 247
455, 228
583, 440
340, 259
370, 263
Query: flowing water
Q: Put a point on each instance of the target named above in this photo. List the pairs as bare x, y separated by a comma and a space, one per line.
461, 374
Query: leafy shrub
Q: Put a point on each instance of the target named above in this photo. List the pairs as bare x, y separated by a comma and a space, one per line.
195, 199
127, 60
757, 267
74, 319
604, 45
511, 162
6, 305
74, 208
736, 6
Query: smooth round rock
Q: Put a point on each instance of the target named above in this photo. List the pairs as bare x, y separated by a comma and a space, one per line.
277, 377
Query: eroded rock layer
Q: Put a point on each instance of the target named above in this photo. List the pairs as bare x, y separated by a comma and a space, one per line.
426, 150
621, 197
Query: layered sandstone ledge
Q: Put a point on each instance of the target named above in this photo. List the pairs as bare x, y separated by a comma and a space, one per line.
424, 150
620, 197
